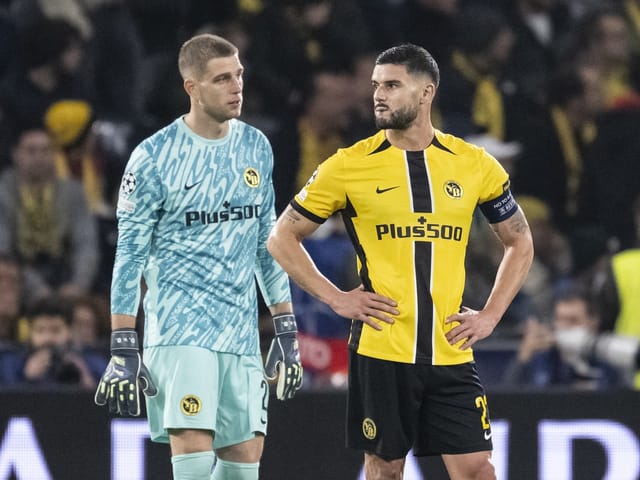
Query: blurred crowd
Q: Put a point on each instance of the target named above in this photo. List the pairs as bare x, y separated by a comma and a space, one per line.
551, 88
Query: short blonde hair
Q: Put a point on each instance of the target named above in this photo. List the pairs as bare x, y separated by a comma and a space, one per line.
196, 52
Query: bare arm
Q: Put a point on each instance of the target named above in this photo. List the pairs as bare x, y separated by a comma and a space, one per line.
285, 244
515, 235
119, 320
278, 308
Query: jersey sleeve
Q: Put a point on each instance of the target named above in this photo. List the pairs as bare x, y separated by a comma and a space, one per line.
272, 279
324, 193
496, 200
140, 199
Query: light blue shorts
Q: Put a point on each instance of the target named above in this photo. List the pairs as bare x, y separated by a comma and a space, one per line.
205, 390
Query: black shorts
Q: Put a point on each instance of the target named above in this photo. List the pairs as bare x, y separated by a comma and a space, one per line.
393, 407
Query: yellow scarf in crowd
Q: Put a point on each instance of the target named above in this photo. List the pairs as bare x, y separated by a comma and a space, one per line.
487, 108
313, 150
571, 154
632, 10
93, 188
38, 228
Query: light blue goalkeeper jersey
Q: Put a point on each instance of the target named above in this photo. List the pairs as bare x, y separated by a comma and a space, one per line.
193, 219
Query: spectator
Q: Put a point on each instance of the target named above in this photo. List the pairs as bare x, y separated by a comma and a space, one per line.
45, 221
307, 36
10, 315
70, 124
50, 54
429, 23
322, 123
361, 119
10, 300
539, 363
300, 146
603, 40
473, 98
73, 12
8, 41
631, 10
539, 28
619, 297
114, 55
552, 261
387, 18
49, 360
610, 167
554, 146
89, 325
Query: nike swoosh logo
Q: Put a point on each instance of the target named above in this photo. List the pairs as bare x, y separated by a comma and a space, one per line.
487, 435
382, 190
189, 187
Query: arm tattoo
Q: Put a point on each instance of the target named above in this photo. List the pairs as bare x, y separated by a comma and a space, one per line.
516, 225
291, 215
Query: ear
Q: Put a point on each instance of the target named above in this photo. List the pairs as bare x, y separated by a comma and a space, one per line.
429, 92
190, 87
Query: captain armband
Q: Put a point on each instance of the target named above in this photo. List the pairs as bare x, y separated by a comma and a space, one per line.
500, 208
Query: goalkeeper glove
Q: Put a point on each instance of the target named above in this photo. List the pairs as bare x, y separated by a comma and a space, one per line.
283, 359
125, 374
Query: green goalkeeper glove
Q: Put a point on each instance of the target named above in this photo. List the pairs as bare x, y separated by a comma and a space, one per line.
125, 374
283, 359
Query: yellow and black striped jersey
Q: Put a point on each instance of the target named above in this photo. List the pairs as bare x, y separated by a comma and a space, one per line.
408, 214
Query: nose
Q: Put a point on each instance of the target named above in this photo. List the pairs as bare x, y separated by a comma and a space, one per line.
237, 84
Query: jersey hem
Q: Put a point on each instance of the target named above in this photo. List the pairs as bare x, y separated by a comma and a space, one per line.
417, 361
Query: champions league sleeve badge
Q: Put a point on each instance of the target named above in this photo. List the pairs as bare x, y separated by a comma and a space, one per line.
128, 184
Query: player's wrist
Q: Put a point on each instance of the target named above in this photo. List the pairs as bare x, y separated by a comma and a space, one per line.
285, 323
124, 340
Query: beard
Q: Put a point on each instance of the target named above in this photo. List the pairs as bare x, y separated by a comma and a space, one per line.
399, 120
221, 115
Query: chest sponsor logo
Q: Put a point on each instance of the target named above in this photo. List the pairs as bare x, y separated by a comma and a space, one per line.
422, 229
229, 213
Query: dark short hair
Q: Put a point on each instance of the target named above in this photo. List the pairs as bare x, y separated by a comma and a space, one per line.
44, 41
51, 306
20, 128
575, 291
417, 60
477, 27
196, 52
565, 84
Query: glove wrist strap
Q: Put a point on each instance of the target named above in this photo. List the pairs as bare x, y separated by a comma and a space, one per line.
124, 340
284, 323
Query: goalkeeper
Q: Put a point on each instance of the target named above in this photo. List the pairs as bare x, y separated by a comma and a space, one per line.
195, 207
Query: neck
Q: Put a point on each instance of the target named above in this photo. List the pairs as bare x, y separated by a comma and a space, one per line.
205, 126
414, 138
